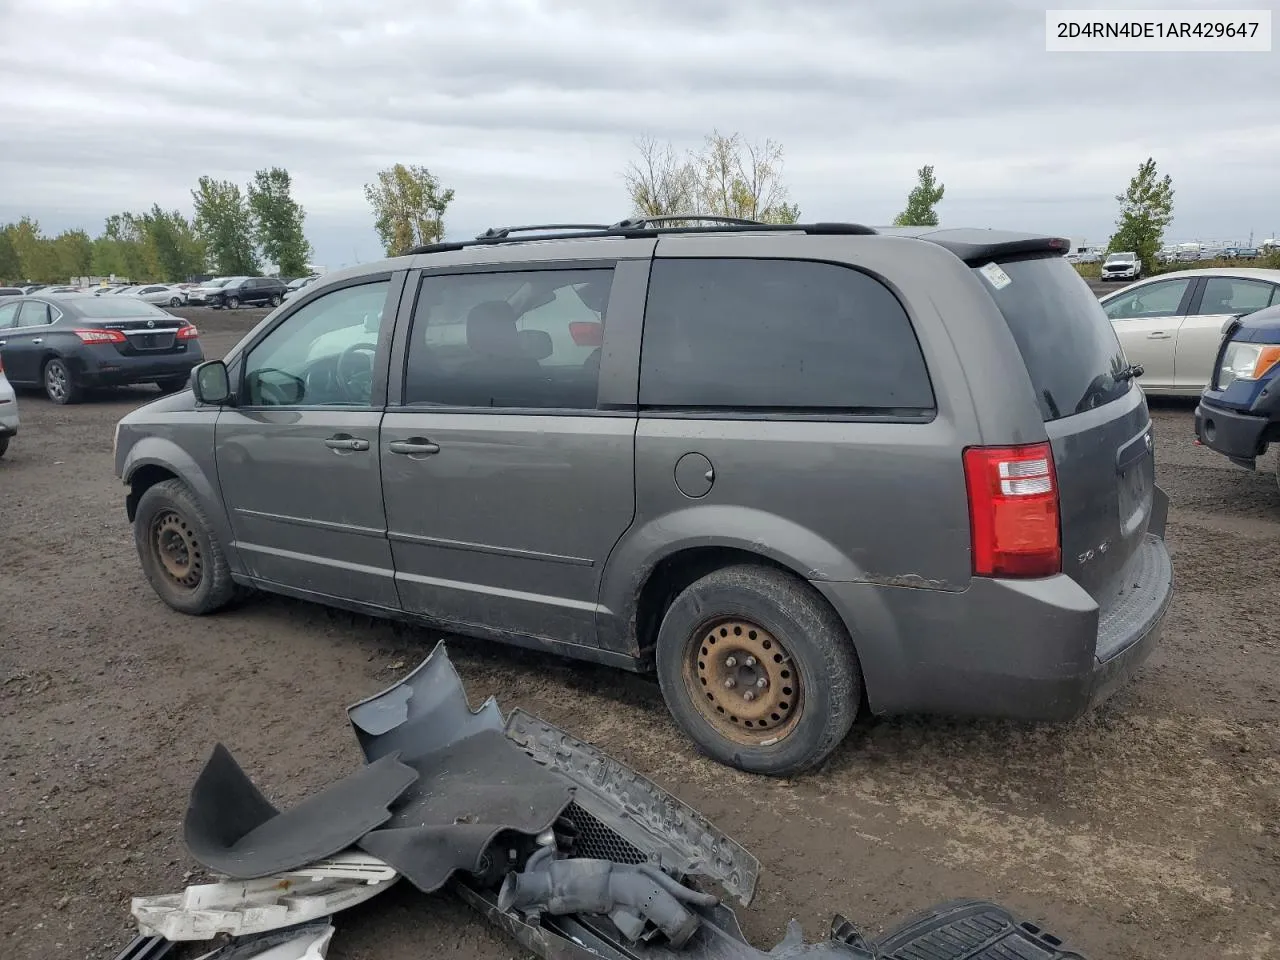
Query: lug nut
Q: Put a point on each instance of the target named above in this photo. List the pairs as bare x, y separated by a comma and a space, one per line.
762, 683
730, 683
750, 661
730, 661
749, 695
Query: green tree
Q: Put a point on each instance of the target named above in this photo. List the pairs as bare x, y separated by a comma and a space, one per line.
74, 252
921, 201
37, 259
123, 250
225, 223
1146, 210
10, 266
741, 179
172, 243
278, 220
408, 207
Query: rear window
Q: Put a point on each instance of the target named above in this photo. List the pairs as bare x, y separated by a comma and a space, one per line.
778, 336
1067, 342
98, 308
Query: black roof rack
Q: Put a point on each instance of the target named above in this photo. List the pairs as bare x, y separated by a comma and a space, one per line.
642, 227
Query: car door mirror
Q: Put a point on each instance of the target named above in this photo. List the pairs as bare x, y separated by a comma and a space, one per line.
211, 383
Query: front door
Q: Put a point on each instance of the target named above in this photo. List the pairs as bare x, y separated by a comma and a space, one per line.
1146, 321
1221, 299
297, 454
505, 486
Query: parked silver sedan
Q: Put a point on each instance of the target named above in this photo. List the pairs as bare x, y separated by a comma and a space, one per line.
1172, 323
163, 294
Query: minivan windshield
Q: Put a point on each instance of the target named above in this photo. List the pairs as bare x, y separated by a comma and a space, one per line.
1071, 351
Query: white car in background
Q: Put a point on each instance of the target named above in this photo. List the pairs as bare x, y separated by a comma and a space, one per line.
1172, 323
161, 294
8, 411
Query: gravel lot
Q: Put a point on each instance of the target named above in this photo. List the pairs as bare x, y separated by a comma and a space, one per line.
1150, 829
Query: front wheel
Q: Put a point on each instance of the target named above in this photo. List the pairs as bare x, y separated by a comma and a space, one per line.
757, 668
59, 386
179, 553
233, 303
275, 301
175, 301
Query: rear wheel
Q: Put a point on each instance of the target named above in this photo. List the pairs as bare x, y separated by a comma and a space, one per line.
759, 670
59, 386
179, 553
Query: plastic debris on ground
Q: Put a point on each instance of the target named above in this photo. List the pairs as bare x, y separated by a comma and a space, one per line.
571, 853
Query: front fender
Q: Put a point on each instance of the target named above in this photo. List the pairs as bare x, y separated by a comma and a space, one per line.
150, 458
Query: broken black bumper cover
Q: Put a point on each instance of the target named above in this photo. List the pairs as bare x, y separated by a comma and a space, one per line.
573, 854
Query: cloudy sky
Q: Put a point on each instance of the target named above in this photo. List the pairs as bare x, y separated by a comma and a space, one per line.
529, 109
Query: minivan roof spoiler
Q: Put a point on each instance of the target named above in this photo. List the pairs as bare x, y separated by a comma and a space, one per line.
973, 245
642, 226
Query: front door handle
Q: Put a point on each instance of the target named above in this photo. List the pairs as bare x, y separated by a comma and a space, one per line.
38, 340
1159, 335
344, 442
3, 342
414, 447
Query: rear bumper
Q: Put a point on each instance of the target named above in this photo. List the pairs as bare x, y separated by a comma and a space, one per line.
1030, 650
95, 367
8, 417
1240, 437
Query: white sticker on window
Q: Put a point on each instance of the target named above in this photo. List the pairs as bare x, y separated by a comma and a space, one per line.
997, 277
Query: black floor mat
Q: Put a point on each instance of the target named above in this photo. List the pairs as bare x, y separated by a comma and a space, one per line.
232, 828
473, 781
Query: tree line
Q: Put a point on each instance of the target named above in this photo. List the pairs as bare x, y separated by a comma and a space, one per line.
235, 231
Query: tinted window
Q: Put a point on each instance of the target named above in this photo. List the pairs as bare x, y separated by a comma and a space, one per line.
1148, 302
1234, 295
777, 335
518, 339
100, 308
9, 315
1071, 351
34, 313
322, 354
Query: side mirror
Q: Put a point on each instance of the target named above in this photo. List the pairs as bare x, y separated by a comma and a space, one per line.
211, 383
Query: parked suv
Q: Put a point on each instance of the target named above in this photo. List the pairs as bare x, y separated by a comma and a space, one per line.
791, 470
246, 291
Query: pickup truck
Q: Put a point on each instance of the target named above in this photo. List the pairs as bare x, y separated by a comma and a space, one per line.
1121, 266
1239, 411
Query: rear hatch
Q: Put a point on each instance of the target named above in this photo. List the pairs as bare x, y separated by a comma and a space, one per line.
1096, 419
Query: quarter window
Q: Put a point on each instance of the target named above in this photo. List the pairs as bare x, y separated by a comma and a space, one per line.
1149, 302
35, 313
9, 315
521, 339
777, 335
322, 354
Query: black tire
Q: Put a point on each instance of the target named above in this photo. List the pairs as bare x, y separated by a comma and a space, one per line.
276, 301
4, 444
814, 641
59, 385
233, 303
175, 301
173, 384
169, 522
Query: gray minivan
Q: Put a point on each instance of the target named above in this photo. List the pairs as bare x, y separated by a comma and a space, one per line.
797, 472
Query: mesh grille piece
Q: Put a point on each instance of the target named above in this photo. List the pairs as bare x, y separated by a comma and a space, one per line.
596, 841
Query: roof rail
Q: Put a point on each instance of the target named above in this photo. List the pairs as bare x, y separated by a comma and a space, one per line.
640, 227
637, 223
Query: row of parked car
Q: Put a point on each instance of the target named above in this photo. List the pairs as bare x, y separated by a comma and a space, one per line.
220, 292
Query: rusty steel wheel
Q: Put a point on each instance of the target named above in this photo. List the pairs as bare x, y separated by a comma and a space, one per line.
743, 682
177, 548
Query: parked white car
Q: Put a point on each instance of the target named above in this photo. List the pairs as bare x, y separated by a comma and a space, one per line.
8, 411
1172, 323
162, 294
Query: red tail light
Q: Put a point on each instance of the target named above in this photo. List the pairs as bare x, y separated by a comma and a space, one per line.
100, 336
1013, 511
189, 332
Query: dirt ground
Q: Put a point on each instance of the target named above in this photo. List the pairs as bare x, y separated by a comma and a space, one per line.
1149, 829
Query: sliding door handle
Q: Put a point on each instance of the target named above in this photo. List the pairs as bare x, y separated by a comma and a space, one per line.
414, 447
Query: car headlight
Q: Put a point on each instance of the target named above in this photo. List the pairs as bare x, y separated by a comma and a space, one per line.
1246, 361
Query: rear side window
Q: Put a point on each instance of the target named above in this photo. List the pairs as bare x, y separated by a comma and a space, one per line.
1224, 295
1068, 345
777, 336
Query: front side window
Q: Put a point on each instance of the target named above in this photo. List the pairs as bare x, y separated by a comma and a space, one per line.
777, 335
1234, 295
515, 339
1150, 302
321, 354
